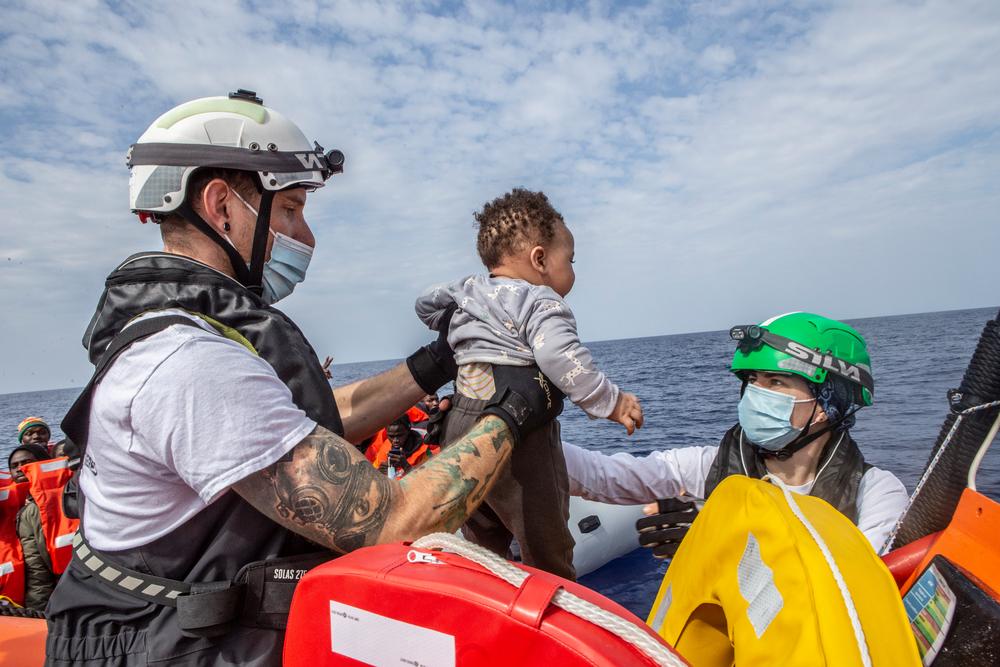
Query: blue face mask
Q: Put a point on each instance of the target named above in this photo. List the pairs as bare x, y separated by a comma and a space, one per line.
765, 417
287, 266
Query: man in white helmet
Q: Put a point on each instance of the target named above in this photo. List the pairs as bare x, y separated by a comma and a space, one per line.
211, 442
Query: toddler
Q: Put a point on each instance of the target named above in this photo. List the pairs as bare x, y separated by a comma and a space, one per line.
516, 316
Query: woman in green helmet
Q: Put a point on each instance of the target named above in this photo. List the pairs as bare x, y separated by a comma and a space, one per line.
804, 376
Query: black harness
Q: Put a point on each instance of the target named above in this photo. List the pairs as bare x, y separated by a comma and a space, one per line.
204, 589
839, 473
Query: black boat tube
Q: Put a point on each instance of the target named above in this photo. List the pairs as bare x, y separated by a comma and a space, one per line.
965, 435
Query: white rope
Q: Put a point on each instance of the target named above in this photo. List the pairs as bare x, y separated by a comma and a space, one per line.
588, 611
987, 441
932, 465
845, 593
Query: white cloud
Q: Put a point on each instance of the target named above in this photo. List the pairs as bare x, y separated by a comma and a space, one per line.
717, 162
717, 58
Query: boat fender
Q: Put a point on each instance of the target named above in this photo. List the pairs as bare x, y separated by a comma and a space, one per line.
903, 562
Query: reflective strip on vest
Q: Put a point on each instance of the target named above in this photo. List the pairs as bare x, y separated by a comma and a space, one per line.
151, 590
6, 568
64, 540
756, 584
661, 611
49, 466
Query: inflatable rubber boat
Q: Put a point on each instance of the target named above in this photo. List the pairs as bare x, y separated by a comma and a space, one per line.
440, 601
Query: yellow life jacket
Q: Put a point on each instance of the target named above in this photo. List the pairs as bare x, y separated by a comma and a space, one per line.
750, 585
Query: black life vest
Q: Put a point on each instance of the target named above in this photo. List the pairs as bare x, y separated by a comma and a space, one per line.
90, 623
837, 483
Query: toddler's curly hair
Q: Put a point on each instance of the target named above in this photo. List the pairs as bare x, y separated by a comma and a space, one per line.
509, 223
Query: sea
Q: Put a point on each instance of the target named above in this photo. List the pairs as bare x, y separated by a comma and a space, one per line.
689, 398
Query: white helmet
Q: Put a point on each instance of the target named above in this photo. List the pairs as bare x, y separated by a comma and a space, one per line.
235, 132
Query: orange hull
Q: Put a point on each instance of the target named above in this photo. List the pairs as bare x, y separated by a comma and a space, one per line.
22, 642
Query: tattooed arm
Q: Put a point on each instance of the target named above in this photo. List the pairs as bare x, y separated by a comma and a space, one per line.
327, 491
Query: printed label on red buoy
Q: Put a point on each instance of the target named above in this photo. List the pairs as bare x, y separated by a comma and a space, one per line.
380, 640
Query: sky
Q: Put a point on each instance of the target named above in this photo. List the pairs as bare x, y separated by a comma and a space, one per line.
717, 162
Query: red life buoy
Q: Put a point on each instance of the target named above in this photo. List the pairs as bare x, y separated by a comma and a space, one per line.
393, 604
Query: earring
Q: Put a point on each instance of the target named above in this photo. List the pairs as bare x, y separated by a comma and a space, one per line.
225, 226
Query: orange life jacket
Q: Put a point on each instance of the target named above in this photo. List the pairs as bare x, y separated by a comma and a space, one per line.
379, 449
422, 453
419, 455
47, 479
11, 556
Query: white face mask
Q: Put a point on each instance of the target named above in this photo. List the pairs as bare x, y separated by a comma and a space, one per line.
765, 417
287, 266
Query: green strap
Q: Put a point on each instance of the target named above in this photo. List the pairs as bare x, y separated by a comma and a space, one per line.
227, 331
224, 330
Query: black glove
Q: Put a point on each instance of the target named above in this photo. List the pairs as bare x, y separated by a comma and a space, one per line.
433, 365
664, 531
524, 399
435, 424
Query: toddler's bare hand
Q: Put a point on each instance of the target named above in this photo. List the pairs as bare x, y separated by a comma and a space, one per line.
627, 412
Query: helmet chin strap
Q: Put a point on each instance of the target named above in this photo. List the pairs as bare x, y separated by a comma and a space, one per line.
255, 279
250, 277
804, 439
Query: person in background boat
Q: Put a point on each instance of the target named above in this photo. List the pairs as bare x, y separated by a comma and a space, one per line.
211, 439
405, 448
429, 404
27, 452
377, 446
516, 315
434, 425
34, 431
61, 448
39, 578
803, 378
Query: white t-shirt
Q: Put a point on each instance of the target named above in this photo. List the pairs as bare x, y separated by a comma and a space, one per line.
179, 418
623, 479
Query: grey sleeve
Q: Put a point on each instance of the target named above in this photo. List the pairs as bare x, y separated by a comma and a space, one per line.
430, 305
551, 333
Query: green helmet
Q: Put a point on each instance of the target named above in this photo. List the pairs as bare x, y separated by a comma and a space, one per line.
808, 345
